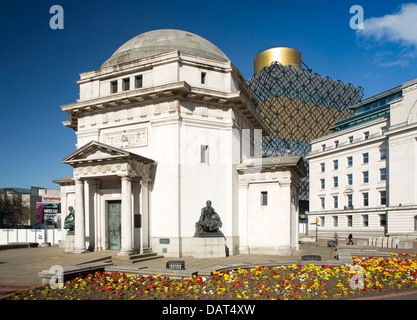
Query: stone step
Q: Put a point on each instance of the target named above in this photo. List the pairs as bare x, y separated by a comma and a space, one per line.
101, 259
134, 258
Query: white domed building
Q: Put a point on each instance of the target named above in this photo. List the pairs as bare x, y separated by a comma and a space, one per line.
164, 125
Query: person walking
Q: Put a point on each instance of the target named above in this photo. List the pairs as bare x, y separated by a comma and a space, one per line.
350, 237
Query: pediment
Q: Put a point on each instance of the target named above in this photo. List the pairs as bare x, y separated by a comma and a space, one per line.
95, 151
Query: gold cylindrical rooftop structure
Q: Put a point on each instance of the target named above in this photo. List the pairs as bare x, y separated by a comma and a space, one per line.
285, 56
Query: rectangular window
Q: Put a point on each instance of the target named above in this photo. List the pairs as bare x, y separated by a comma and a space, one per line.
113, 86
350, 139
204, 154
336, 143
350, 161
365, 199
335, 182
335, 164
323, 183
366, 177
383, 197
335, 202
383, 154
366, 135
323, 202
139, 81
264, 198
323, 147
203, 77
382, 220
365, 220
335, 221
323, 167
350, 201
365, 157
349, 221
350, 179
383, 129
322, 221
383, 174
126, 84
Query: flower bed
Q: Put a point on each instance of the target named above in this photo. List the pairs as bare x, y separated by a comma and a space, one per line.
366, 276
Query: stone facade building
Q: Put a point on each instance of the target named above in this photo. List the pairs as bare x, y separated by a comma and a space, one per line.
165, 124
363, 177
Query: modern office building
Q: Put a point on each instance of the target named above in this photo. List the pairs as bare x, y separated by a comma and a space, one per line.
297, 105
363, 176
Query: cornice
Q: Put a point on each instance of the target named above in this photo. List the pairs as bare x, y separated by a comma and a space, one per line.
179, 90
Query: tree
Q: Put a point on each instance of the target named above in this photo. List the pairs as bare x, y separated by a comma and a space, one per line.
13, 209
5, 209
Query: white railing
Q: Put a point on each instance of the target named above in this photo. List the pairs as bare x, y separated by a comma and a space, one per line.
29, 235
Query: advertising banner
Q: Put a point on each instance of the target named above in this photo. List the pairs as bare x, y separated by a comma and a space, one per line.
46, 210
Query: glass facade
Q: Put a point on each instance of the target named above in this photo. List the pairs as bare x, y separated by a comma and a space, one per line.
299, 106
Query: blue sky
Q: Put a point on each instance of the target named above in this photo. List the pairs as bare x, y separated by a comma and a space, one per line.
40, 66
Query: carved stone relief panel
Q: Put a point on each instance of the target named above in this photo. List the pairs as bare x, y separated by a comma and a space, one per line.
95, 169
127, 138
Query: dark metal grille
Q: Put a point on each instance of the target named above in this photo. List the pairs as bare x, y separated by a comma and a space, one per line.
175, 265
299, 106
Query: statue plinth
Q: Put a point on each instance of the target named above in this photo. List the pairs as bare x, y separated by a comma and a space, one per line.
209, 247
69, 243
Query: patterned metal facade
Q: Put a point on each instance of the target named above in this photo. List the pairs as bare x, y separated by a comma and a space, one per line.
299, 106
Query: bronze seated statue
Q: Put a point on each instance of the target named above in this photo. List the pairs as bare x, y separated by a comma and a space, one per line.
209, 222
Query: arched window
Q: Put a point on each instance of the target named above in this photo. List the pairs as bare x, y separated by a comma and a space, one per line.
415, 223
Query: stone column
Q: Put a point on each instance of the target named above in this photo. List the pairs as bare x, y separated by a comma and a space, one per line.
126, 217
294, 221
79, 224
243, 218
144, 191
87, 213
90, 212
96, 213
136, 210
285, 229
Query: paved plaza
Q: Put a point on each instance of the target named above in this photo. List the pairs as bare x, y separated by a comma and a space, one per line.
23, 265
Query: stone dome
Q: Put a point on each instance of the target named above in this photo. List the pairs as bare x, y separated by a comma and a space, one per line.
160, 41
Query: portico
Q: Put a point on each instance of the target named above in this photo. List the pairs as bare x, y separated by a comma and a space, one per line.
103, 175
